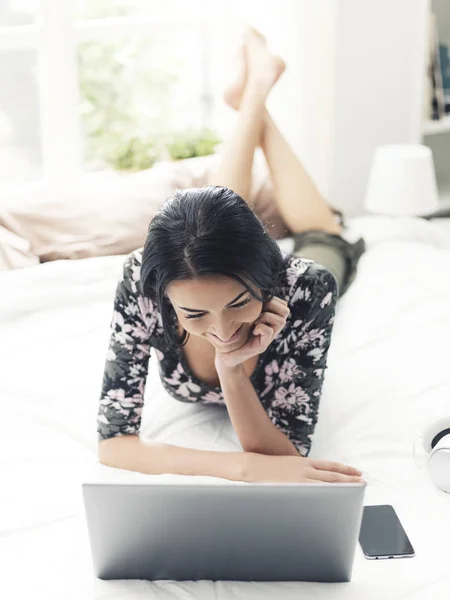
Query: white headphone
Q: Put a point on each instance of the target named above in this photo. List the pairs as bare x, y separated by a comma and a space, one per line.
436, 442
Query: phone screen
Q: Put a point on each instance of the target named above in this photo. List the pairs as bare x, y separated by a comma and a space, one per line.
382, 533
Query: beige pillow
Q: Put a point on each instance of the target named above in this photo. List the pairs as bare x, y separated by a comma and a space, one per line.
15, 252
112, 215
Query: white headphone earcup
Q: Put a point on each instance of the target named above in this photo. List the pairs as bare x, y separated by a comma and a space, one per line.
439, 464
434, 428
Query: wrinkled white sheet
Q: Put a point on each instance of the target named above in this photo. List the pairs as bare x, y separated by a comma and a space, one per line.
388, 375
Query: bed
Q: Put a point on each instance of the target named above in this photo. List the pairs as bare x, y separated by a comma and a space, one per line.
388, 375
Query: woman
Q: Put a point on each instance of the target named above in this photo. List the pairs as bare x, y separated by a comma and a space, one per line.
232, 320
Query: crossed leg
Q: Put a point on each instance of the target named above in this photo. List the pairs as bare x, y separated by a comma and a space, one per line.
299, 202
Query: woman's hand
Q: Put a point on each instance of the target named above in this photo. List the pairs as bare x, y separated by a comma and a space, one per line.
265, 329
297, 469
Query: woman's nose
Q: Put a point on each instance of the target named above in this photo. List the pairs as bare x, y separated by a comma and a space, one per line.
224, 331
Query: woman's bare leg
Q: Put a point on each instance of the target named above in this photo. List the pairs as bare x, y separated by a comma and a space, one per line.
298, 199
299, 202
234, 169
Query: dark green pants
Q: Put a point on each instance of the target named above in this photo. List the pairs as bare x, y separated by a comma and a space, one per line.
332, 251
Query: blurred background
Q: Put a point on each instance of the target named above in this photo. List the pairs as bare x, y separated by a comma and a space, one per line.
91, 86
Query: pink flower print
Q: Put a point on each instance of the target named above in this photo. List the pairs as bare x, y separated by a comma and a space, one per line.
131, 310
134, 371
116, 394
271, 372
148, 312
137, 332
301, 294
183, 387
304, 418
141, 350
316, 353
159, 354
110, 355
312, 336
135, 271
187, 387
118, 318
291, 276
300, 264
119, 329
213, 398
135, 417
271, 369
302, 449
283, 345
326, 300
174, 379
292, 396
288, 370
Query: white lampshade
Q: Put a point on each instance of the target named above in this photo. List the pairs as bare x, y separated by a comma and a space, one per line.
402, 181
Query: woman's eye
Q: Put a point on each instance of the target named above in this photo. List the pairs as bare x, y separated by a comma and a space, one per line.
240, 305
194, 316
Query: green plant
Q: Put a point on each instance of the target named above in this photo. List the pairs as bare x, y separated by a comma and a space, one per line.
125, 88
190, 144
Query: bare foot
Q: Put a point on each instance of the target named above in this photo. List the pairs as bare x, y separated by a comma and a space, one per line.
233, 93
256, 61
262, 65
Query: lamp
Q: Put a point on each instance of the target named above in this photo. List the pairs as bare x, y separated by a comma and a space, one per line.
402, 181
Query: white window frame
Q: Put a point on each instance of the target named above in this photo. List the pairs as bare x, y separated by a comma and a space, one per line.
55, 36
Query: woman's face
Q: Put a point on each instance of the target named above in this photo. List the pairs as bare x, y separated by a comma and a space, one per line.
219, 309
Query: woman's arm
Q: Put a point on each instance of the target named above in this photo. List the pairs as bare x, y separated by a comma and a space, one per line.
126, 366
133, 453
254, 429
284, 418
294, 384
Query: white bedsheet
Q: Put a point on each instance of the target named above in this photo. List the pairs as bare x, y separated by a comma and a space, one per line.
388, 375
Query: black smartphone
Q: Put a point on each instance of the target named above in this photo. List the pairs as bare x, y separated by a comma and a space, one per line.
382, 535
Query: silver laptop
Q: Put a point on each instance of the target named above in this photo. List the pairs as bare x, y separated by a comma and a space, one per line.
240, 532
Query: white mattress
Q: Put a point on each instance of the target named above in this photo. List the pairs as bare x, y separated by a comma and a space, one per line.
388, 375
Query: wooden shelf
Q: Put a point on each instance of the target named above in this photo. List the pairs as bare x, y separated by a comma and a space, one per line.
439, 126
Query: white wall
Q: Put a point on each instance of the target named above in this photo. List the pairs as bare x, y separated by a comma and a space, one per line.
378, 81
312, 76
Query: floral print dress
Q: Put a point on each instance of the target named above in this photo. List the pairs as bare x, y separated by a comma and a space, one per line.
288, 377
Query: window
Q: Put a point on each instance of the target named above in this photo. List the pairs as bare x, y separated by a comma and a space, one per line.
138, 92
20, 138
95, 84
18, 12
